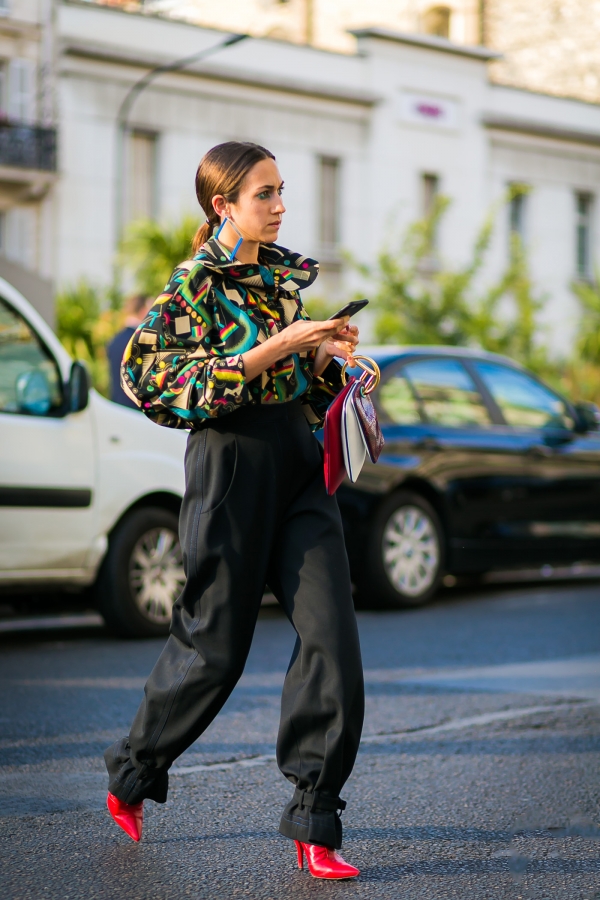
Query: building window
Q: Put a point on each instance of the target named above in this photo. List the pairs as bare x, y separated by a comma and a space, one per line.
21, 90
19, 239
436, 20
3, 90
329, 205
517, 212
583, 234
141, 176
430, 187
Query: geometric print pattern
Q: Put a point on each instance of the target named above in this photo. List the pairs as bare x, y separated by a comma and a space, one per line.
184, 363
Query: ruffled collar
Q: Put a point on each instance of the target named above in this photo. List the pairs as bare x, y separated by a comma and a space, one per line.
295, 271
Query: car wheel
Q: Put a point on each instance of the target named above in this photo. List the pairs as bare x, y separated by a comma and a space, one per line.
142, 574
406, 555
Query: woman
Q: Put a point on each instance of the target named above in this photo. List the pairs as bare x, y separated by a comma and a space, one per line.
229, 351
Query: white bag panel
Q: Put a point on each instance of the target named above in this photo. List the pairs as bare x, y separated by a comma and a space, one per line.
353, 442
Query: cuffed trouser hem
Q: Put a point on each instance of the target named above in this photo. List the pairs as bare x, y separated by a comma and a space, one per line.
312, 817
133, 785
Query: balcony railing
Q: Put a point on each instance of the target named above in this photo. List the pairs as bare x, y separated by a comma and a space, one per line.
27, 146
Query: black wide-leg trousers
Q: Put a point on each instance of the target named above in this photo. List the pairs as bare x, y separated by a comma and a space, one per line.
256, 513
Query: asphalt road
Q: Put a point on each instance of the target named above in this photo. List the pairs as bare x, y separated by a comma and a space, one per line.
478, 777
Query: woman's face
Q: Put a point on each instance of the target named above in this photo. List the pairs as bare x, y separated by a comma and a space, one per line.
259, 209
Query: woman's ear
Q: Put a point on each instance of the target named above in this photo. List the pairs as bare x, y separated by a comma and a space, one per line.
219, 205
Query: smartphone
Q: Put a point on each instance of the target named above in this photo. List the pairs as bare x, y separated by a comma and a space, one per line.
350, 309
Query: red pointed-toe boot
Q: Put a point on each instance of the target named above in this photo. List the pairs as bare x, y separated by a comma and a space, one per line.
128, 816
324, 862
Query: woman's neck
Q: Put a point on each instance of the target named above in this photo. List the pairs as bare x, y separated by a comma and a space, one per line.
247, 252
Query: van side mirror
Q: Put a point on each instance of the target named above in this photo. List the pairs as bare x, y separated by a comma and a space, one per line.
588, 417
78, 388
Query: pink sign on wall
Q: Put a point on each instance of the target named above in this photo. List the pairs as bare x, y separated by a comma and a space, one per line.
424, 109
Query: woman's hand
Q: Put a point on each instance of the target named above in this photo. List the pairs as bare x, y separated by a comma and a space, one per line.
334, 337
301, 336
342, 344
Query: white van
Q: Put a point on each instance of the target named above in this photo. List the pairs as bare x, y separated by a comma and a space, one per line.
89, 490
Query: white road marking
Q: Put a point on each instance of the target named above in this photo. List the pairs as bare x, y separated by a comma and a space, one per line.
471, 721
250, 761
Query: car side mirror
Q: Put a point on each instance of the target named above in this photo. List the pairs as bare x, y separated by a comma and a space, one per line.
78, 388
33, 393
588, 417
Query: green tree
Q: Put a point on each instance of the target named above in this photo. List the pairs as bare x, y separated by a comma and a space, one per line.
421, 301
588, 336
150, 251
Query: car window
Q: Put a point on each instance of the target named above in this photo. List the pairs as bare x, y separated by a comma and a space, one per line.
29, 378
398, 400
523, 401
447, 393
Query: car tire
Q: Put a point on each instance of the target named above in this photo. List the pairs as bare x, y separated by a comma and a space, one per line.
405, 557
142, 574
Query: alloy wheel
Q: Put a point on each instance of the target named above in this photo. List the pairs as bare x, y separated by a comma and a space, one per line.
156, 574
411, 551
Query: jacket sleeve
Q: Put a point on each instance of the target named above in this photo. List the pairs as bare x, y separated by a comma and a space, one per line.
175, 367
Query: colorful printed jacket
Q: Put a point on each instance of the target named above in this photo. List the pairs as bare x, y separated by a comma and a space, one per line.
184, 363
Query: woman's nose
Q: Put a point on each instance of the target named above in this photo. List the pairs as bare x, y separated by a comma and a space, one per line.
279, 208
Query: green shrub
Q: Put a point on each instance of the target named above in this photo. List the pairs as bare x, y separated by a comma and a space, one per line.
86, 320
150, 251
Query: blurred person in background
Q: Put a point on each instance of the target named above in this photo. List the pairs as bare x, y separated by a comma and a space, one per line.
136, 308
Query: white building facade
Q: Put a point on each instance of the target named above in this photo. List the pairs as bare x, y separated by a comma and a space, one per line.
362, 141
27, 144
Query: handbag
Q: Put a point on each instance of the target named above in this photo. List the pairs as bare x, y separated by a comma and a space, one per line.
351, 426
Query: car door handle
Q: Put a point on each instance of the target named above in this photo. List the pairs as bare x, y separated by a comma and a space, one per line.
541, 451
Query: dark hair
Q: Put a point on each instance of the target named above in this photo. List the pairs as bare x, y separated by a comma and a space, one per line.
222, 171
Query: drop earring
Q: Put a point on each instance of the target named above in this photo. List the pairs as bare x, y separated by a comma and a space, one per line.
237, 231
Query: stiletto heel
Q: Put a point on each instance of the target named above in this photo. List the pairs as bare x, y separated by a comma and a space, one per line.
324, 862
128, 816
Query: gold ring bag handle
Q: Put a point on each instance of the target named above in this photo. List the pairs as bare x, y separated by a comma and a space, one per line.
369, 366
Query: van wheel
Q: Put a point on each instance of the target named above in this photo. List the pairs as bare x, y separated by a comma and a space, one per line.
405, 559
142, 574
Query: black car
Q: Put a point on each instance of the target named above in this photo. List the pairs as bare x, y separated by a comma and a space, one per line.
484, 467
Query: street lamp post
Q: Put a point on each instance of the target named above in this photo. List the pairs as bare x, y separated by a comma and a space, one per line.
127, 104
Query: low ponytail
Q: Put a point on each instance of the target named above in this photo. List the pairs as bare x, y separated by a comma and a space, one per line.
202, 235
222, 171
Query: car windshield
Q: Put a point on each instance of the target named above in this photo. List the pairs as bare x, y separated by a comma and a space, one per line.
524, 402
447, 393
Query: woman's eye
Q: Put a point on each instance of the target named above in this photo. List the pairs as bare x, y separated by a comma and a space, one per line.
264, 195
280, 191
